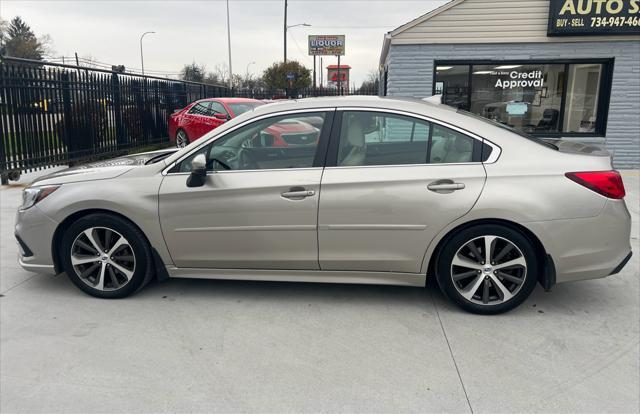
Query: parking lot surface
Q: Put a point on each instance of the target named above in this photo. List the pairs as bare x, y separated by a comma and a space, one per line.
229, 346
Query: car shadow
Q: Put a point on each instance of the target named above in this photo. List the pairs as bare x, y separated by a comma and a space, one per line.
570, 298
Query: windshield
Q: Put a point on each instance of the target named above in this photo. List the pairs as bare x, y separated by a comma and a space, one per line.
241, 108
509, 128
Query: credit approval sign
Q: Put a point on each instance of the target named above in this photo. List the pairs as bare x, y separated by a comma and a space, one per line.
326, 45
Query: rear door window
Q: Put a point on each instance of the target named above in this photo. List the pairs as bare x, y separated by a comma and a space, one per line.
201, 108
374, 138
380, 138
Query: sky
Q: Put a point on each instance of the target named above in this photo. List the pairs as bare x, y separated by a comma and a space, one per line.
196, 31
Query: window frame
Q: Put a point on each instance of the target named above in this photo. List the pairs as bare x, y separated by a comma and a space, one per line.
212, 111
207, 107
478, 142
319, 157
604, 87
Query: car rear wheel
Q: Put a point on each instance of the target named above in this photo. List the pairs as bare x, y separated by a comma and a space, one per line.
487, 269
182, 140
106, 256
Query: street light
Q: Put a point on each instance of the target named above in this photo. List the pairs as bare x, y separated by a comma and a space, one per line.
285, 36
300, 24
249, 64
141, 55
229, 47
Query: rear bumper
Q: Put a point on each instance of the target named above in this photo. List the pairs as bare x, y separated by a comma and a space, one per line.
588, 248
622, 264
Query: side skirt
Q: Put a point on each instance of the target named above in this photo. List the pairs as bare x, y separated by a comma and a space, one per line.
316, 276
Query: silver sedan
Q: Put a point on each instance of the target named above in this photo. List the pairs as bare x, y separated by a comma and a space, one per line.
341, 190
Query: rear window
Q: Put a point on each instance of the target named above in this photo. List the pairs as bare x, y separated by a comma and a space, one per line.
241, 108
510, 129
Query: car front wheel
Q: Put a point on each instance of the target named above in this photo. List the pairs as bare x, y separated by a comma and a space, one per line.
487, 269
106, 256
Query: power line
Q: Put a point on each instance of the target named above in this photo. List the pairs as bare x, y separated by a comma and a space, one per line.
298, 47
105, 65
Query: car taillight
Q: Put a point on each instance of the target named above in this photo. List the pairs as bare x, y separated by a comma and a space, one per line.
607, 183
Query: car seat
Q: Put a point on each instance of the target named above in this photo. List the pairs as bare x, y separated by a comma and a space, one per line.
357, 146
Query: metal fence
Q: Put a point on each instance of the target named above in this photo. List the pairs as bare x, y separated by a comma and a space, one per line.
58, 114
309, 92
52, 114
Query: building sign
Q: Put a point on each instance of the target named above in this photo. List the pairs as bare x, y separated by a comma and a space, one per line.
326, 45
593, 17
515, 79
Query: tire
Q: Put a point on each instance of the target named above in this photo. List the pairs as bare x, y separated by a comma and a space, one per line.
479, 287
116, 274
182, 139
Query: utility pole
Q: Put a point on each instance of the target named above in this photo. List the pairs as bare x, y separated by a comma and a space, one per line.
229, 46
314, 75
285, 31
339, 78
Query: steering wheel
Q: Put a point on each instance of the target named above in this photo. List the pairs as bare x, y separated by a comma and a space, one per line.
246, 160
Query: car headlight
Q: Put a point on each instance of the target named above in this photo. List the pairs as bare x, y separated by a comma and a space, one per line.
33, 195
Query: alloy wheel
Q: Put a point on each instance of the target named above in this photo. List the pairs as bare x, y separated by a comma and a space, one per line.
181, 139
103, 259
488, 270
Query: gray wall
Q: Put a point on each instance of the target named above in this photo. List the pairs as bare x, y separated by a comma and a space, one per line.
411, 74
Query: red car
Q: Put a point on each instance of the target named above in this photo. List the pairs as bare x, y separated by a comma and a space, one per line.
291, 133
200, 117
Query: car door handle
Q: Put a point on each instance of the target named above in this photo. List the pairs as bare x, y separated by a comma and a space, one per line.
298, 193
445, 186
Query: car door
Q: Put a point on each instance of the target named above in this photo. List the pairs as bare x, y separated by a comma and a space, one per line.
392, 182
211, 121
195, 120
258, 206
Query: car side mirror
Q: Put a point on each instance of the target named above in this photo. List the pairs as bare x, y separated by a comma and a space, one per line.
198, 171
220, 115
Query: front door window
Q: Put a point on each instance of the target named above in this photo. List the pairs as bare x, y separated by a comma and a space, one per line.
282, 142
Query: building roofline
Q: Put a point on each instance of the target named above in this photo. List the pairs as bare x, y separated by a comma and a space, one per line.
425, 17
388, 36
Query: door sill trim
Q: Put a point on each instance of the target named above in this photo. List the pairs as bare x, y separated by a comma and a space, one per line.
313, 276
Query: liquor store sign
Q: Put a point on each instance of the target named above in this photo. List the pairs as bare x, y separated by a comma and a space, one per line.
327, 45
593, 17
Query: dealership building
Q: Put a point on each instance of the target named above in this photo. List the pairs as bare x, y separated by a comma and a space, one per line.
552, 68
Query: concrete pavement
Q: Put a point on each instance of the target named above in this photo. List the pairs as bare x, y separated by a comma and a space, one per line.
228, 346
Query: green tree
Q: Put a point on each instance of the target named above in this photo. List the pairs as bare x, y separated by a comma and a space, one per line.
193, 72
275, 76
18, 40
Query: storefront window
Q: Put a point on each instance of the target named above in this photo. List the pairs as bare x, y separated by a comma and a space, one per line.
527, 96
582, 98
452, 81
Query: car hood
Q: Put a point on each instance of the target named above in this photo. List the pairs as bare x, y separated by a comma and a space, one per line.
102, 170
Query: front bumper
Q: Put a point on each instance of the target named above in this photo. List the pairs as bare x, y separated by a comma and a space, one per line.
35, 231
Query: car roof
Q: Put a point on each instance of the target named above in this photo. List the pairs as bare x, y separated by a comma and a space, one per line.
414, 105
233, 100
